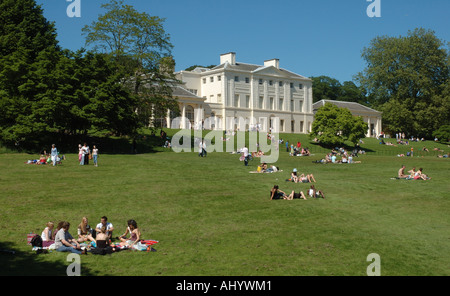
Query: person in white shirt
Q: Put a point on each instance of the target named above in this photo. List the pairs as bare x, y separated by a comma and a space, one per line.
246, 155
109, 227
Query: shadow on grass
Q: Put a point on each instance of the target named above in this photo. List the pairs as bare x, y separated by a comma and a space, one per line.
19, 263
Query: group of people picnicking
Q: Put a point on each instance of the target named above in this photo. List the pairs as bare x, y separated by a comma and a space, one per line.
413, 174
313, 192
90, 239
48, 158
340, 155
84, 155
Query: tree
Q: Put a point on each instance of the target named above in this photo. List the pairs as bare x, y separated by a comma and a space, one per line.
443, 134
325, 88
333, 126
29, 51
414, 72
139, 45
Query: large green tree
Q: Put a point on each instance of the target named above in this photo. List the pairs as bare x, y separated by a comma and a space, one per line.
333, 126
409, 73
28, 52
139, 44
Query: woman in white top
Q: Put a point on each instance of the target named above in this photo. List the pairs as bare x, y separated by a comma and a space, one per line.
47, 233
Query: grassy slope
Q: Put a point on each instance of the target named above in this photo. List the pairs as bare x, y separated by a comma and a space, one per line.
214, 218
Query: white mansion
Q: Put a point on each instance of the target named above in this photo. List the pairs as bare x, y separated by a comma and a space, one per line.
219, 96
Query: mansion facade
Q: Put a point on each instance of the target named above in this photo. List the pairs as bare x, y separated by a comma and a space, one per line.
240, 96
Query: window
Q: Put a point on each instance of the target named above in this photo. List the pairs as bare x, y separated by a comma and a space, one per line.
271, 103
190, 113
204, 80
219, 98
281, 104
247, 101
300, 86
194, 91
211, 98
282, 125
247, 80
211, 79
261, 102
270, 82
292, 85
292, 105
236, 101
301, 106
301, 126
260, 81
280, 83
236, 78
219, 78
293, 126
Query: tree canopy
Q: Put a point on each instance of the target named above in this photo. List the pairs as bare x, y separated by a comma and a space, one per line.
407, 78
333, 126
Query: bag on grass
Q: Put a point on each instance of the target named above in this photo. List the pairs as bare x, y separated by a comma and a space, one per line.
36, 241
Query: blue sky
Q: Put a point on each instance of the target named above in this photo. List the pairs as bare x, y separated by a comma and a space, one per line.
309, 37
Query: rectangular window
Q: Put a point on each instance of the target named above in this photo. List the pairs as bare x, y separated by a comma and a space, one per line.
219, 78
292, 126
261, 102
260, 81
211, 78
211, 98
219, 98
292, 85
236, 101
301, 106
236, 78
280, 83
270, 82
247, 80
204, 80
282, 125
281, 104
247, 101
292, 106
300, 86
301, 126
271, 103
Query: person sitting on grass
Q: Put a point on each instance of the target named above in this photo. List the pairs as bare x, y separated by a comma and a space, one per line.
401, 173
294, 176
262, 168
135, 235
64, 242
47, 235
276, 193
411, 172
314, 193
102, 245
108, 225
84, 231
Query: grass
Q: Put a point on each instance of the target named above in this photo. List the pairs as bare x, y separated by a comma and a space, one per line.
212, 217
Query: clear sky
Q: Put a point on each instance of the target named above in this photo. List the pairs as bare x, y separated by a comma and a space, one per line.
309, 37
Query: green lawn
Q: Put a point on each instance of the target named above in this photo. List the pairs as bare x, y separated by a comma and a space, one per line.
212, 217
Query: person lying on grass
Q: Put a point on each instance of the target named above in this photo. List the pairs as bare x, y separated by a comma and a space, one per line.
314, 193
295, 195
420, 176
276, 193
307, 178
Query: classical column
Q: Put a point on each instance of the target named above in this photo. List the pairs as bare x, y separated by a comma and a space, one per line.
183, 116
